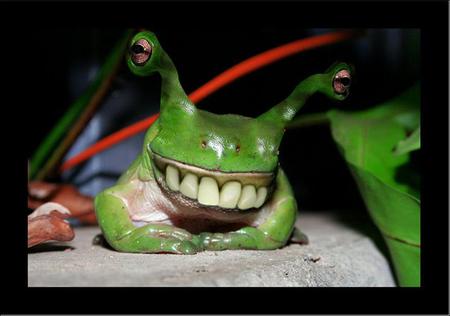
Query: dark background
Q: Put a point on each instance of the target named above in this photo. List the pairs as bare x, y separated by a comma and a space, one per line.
386, 62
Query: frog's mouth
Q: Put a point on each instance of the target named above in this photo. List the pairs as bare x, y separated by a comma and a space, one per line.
224, 191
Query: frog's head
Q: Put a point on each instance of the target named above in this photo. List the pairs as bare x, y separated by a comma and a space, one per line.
227, 161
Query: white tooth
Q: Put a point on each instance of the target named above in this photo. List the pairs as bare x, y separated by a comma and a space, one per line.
261, 196
189, 185
229, 194
172, 178
248, 197
208, 191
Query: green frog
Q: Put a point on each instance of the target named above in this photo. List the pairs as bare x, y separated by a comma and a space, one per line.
205, 181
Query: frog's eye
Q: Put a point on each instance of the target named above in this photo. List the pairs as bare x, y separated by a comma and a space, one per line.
140, 52
342, 81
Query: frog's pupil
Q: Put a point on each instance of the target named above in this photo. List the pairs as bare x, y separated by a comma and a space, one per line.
137, 49
345, 81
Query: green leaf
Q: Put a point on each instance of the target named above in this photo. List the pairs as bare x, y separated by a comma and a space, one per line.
411, 143
367, 140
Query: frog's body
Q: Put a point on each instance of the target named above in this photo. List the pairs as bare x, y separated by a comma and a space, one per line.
205, 181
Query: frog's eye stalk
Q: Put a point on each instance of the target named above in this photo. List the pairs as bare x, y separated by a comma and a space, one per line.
146, 57
334, 83
140, 52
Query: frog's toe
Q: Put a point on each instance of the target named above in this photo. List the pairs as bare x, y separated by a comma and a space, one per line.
186, 247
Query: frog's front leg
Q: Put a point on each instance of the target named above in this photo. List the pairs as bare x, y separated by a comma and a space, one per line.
273, 233
123, 235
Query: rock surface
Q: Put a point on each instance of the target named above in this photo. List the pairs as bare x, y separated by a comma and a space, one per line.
337, 255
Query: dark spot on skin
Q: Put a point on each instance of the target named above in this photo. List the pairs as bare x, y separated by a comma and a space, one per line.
238, 148
203, 144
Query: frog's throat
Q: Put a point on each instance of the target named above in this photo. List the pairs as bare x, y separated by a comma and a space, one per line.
221, 191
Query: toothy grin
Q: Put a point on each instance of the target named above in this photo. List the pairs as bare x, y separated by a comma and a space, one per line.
225, 190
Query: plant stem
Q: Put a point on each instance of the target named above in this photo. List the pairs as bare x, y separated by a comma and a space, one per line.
77, 117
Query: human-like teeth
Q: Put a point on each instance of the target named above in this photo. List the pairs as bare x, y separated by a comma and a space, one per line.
248, 197
189, 186
172, 178
229, 194
232, 194
208, 191
261, 196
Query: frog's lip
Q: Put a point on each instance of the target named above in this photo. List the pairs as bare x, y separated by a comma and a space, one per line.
259, 185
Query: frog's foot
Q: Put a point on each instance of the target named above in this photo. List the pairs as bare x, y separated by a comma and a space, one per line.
220, 192
272, 233
123, 235
159, 238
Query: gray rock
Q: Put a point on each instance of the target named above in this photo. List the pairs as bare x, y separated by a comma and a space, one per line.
336, 256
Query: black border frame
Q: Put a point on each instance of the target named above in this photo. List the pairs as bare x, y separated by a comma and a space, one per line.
432, 297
